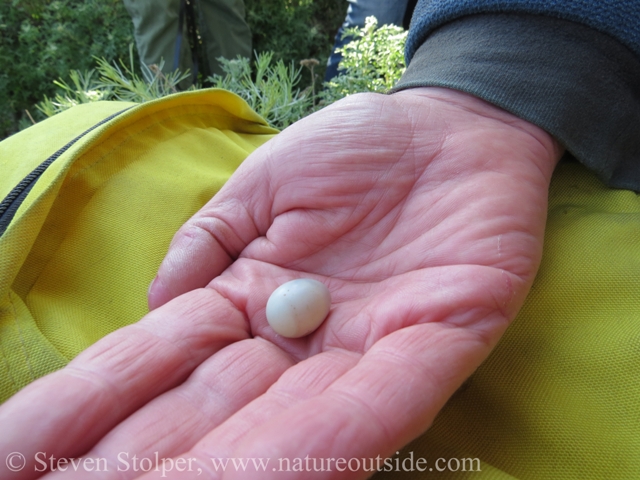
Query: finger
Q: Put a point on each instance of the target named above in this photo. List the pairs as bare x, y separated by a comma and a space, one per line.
214, 237
473, 315
304, 380
72, 408
314, 149
172, 423
390, 397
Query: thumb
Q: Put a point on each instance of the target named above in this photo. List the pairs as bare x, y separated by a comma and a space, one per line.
214, 237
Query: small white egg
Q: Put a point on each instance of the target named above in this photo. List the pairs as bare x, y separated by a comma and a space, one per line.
298, 307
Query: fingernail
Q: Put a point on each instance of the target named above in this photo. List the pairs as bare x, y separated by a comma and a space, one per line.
154, 293
151, 286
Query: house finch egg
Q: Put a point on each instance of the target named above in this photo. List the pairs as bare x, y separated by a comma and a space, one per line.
298, 307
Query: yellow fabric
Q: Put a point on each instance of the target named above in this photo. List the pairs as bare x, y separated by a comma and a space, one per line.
76, 260
559, 398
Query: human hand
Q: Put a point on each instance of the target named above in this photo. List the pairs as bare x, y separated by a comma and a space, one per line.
423, 212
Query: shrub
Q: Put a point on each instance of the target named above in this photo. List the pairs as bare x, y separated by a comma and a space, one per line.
41, 40
272, 90
116, 81
296, 29
372, 62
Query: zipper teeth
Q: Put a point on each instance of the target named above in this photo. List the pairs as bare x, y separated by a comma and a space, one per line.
28, 181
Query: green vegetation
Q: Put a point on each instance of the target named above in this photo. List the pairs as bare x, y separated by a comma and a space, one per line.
77, 42
272, 90
372, 62
43, 40
295, 29
116, 81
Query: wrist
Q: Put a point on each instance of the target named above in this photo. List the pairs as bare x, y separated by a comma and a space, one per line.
473, 113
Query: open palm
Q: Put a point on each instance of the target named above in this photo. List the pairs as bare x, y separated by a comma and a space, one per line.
423, 212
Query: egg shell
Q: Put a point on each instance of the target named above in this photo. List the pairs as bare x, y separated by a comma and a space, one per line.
298, 307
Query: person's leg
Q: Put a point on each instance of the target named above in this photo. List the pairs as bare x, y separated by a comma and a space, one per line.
225, 31
155, 25
387, 12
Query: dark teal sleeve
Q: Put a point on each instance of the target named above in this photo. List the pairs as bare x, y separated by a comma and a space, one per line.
577, 83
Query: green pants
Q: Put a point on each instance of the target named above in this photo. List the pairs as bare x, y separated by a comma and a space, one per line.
221, 23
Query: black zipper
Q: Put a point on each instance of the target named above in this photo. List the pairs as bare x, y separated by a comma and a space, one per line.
9, 206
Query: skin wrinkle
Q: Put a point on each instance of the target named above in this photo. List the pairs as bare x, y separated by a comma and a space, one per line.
223, 286
103, 387
440, 328
278, 402
209, 222
99, 396
414, 314
219, 392
317, 248
359, 270
371, 336
416, 129
420, 316
363, 317
284, 404
420, 373
282, 388
343, 396
509, 316
158, 444
256, 201
209, 391
283, 398
241, 309
112, 464
375, 223
201, 401
271, 164
342, 359
378, 331
427, 263
371, 259
228, 238
488, 334
552, 148
384, 259
336, 337
497, 221
215, 390
552, 151
211, 226
105, 356
468, 318
332, 397
372, 341
188, 359
191, 352
339, 233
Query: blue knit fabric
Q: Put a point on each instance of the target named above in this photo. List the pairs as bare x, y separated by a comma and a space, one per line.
617, 18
